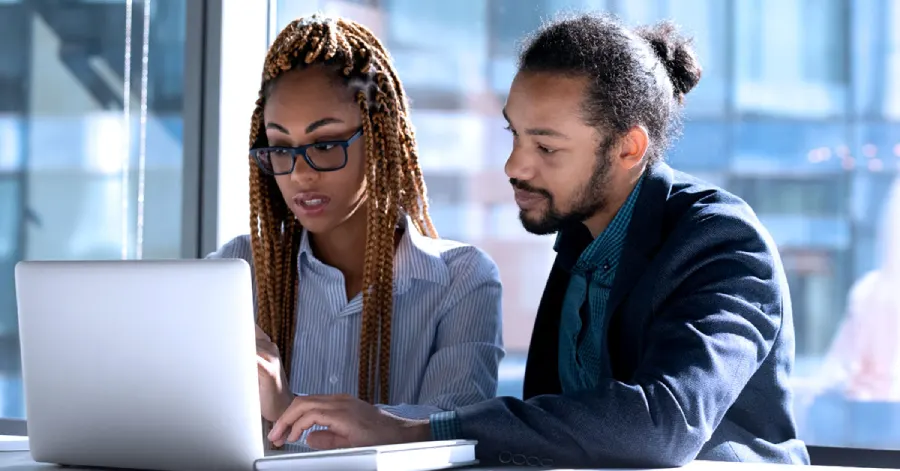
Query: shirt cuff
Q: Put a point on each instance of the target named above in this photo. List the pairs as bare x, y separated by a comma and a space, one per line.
445, 426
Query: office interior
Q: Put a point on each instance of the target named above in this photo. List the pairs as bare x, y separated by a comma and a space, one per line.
124, 124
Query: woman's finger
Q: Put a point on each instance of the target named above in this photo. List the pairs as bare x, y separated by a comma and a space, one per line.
296, 432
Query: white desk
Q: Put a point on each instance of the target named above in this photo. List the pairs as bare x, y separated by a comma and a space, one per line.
21, 461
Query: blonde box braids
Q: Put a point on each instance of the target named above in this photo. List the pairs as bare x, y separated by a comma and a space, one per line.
395, 189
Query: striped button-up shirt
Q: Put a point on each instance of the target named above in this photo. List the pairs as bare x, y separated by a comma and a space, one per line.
446, 335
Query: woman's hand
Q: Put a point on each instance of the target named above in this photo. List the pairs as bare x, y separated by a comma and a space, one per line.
350, 421
274, 392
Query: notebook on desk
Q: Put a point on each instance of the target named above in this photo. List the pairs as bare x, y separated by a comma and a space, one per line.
421, 456
13, 443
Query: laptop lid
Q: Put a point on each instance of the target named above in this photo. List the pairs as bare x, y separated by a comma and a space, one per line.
140, 364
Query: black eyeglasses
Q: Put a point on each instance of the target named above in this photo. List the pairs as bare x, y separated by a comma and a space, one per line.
326, 156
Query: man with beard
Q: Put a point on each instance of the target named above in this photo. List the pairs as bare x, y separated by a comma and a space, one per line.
665, 332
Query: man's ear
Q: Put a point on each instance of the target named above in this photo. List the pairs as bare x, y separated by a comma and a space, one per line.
632, 147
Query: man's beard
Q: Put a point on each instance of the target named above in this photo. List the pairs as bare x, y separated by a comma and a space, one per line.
590, 199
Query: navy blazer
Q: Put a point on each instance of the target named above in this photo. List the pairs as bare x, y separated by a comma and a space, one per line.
700, 339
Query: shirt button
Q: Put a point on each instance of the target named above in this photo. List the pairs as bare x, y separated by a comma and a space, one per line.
333, 379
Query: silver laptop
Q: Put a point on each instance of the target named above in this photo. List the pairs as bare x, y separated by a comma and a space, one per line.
140, 364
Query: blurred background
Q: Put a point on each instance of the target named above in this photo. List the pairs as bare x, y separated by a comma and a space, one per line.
123, 131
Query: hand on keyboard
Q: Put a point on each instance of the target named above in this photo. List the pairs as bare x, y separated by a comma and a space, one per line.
350, 421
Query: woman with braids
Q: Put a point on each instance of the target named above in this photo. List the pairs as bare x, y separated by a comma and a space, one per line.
355, 293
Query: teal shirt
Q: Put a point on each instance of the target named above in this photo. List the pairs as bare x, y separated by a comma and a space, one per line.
582, 331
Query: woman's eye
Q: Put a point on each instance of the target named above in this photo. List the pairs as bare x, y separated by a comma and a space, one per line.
324, 147
545, 150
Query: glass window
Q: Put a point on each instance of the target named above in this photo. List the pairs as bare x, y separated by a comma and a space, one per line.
705, 21
879, 148
704, 146
791, 57
772, 120
876, 55
422, 34
80, 178
10, 217
509, 23
765, 146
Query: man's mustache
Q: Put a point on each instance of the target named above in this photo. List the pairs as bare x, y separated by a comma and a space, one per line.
520, 185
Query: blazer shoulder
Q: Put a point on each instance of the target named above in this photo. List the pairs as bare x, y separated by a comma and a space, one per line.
698, 204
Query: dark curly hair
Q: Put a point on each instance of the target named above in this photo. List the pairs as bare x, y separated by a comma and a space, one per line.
637, 76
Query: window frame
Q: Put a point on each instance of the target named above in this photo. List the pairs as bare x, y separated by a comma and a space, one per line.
200, 150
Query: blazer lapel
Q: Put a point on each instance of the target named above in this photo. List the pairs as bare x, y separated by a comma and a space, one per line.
643, 233
542, 367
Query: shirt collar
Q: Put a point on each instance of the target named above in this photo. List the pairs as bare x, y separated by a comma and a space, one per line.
417, 257
578, 250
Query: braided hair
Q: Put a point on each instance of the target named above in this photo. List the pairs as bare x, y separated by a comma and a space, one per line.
395, 188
